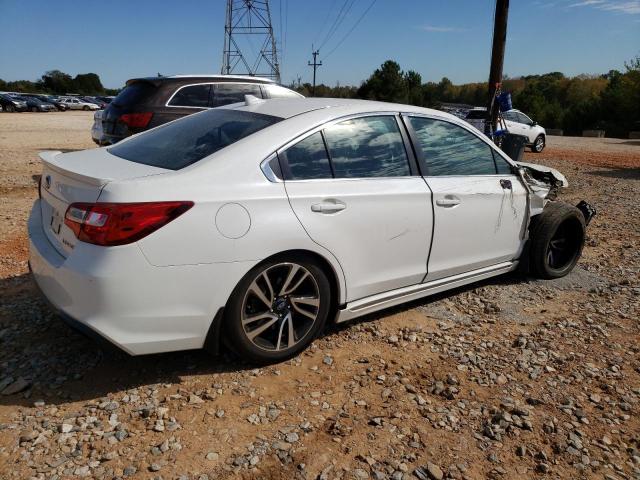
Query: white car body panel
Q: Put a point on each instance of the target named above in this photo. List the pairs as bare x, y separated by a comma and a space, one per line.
392, 214
162, 292
484, 228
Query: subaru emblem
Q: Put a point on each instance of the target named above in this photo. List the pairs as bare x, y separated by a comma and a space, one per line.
47, 182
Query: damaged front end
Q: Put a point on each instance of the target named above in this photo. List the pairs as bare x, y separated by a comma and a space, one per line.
543, 184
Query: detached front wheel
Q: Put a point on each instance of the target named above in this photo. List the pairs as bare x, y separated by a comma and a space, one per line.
277, 309
557, 239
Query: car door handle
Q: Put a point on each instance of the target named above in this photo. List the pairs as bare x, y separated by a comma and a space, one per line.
448, 201
328, 206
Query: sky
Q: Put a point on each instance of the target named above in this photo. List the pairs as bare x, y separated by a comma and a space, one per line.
122, 39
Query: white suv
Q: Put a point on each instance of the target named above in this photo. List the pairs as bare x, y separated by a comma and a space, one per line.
519, 123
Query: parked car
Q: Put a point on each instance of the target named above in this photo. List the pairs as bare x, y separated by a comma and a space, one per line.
78, 104
261, 221
10, 104
100, 103
148, 102
516, 122
35, 104
48, 99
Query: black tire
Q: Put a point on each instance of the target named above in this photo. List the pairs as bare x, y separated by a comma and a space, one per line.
538, 144
557, 237
10, 108
85, 108
34, 109
244, 304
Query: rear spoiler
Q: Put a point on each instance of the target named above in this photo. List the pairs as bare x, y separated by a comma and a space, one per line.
156, 82
50, 159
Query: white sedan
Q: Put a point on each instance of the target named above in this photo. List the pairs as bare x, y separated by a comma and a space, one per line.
77, 104
259, 222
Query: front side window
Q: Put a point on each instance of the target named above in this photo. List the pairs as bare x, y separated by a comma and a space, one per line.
449, 149
307, 159
192, 96
181, 143
522, 118
367, 147
226, 93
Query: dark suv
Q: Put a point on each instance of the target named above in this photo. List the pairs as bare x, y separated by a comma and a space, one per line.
148, 102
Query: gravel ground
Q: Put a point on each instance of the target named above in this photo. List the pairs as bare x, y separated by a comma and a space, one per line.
510, 378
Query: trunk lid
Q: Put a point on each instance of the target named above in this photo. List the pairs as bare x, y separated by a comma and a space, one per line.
79, 177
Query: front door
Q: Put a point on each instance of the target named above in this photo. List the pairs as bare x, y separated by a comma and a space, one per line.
355, 191
479, 202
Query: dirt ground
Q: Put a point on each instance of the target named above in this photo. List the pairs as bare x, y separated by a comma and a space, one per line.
510, 378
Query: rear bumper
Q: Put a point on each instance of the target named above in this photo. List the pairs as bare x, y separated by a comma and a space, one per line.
115, 293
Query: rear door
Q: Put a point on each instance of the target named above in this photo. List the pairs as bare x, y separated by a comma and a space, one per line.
186, 100
479, 202
356, 190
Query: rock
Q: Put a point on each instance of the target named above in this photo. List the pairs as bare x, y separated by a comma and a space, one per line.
327, 360
28, 436
155, 467
66, 428
212, 456
195, 399
429, 472
291, 437
130, 470
16, 387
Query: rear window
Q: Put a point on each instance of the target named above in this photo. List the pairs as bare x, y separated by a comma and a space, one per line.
134, 93
476, 115
184, 142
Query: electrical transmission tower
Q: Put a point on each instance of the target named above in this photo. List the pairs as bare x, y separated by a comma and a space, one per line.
248, 21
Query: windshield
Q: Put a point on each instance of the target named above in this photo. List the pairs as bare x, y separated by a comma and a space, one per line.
184, 142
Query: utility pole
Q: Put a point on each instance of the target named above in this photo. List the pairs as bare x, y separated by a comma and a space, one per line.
497, 61
248, 21
315, 66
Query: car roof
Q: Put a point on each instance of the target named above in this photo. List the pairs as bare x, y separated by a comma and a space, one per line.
291, 107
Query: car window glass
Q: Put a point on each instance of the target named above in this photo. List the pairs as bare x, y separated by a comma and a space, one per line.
192, 96
276, 91
510, 116
226, 93
522, 118
183, 142
307, 159
451, 150
367, 147
502, 166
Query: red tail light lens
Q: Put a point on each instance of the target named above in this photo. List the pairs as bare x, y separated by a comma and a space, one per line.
110, 224
136, 120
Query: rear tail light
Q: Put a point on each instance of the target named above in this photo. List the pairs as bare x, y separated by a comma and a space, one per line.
136, 120
110, 224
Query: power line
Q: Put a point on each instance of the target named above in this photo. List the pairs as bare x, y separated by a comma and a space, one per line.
342, 14
352, 29
326, 19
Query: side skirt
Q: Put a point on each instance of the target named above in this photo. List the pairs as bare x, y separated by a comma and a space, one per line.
380, 301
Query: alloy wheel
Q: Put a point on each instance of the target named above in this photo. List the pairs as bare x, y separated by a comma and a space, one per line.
280, 307
539, 145
563, 246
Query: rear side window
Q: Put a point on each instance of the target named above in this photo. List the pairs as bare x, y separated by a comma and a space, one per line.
476, 115
137, 92
192, 96
449, 149
181, 143
307, 159
276, 91
367, 147
226, 93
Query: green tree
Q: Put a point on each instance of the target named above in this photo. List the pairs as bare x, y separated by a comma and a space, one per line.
386, 84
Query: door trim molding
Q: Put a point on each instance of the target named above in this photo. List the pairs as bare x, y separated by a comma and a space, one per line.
380, 301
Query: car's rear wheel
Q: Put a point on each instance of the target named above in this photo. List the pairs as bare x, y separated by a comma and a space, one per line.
277, 309
538, 144
85, 108
557, 239
34, 109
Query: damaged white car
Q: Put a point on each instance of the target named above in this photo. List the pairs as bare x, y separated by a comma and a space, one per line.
259, 222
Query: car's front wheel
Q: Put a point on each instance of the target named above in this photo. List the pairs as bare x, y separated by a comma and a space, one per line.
34, 109
9, 108
85, 108
277, 309
557, 239
538, 144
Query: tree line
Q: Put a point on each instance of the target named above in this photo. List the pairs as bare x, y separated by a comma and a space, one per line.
610, 102
60, 83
